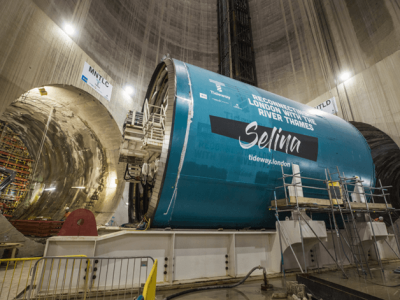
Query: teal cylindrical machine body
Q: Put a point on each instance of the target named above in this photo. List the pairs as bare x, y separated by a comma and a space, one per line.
226, 143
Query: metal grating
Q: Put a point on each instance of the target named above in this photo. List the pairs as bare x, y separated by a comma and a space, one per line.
235, 41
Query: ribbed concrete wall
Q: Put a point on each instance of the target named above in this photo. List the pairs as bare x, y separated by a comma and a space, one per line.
285, 53
302, 47
373, 96
128, 38
366, 43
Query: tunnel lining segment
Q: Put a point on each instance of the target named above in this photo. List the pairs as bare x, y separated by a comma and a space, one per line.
80, 150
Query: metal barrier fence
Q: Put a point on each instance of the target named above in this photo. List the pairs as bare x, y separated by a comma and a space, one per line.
16, 276
89, 277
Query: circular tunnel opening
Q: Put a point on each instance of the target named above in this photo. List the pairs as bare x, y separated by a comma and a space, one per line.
73, 142
386, 156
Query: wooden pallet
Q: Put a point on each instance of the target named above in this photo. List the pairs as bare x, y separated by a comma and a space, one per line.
302, 201
371, 206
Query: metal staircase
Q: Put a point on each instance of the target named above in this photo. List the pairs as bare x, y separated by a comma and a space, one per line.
153, 127
134, 126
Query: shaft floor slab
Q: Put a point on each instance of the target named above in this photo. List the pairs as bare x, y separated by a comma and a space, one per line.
246, 291
369, 286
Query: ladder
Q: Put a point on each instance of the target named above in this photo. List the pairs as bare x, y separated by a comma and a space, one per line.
360, 259
354, 241
357, 250
153, 127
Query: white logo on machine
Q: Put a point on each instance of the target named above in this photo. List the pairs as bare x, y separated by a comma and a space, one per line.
218, 85
204, 96
237, 106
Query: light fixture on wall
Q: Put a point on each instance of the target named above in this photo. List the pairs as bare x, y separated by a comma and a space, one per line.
78, 187
50, 189
69, 29
129, 90
42, 91
344, 76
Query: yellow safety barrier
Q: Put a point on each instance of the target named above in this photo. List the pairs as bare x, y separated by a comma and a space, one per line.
19, 270
149, 291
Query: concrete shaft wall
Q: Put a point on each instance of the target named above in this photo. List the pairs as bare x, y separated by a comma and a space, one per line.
302, 47
366, 43
129, 38
371, 96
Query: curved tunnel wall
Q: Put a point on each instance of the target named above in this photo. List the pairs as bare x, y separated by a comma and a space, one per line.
386, 156
80, 150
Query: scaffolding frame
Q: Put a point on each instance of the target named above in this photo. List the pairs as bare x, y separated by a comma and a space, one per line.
353, 240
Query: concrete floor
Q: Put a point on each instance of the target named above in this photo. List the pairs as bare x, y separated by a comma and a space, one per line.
369, 286
14, 278
252, 289
246, 291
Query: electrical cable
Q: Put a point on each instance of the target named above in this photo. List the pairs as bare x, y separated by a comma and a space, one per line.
220, 286
145, 198
148, 225
138, 211
131, 204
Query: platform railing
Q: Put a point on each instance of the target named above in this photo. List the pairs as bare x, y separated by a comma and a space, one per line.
153, 116
137, 119
153, 126
87, 277
343, 204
